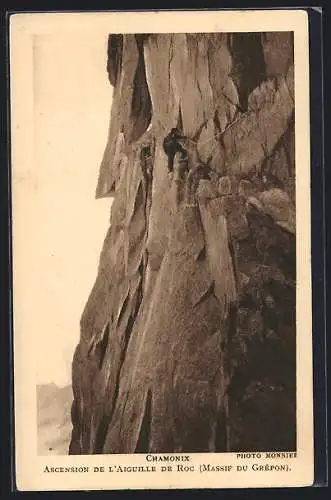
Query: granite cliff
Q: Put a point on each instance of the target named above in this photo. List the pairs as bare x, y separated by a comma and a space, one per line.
188, 337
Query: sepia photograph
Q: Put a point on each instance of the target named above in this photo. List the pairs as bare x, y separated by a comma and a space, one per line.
188, 336
161, 275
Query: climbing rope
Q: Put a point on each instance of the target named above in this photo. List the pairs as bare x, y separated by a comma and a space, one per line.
219, 134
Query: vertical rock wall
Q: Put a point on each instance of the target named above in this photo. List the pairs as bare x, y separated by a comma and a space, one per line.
188, 336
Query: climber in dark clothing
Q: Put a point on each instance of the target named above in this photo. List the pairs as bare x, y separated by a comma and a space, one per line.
171, 146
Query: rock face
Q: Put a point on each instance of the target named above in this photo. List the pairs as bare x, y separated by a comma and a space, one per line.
188, 337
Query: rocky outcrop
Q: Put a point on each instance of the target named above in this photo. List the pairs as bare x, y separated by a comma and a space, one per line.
188, 337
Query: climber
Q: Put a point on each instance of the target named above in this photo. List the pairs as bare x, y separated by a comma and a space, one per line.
146, 161
201, 171
172, 145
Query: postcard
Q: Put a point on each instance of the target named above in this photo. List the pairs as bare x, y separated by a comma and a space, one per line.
162, 322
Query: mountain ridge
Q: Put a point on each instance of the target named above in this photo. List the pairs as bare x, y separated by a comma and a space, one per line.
54, 418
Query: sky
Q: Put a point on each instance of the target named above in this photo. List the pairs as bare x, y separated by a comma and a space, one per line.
72, 100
